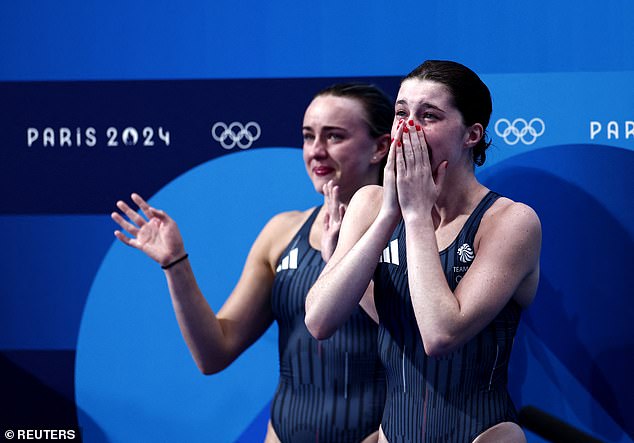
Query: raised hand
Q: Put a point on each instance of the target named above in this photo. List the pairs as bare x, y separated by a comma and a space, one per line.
335, 210
390, 206
156, 234
418, 186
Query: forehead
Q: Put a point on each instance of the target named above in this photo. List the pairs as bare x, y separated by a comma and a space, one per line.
328, 110
414, 91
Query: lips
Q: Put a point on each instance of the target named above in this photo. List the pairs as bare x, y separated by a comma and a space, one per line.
322, 170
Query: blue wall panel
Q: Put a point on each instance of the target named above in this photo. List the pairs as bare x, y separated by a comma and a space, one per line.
86, 320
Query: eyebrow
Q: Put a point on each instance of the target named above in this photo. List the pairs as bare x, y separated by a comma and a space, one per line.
424, 105
324, 128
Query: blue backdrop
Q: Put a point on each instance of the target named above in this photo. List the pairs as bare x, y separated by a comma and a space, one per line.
99, 100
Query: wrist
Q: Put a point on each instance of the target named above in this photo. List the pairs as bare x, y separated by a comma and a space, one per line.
175, 261
418, 218
388, 220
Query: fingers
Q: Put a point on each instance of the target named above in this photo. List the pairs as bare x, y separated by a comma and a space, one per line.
326, 221
333, 202
415, 146
161, 215
121, 236
133, 226
132, 215
342, 210
421, 143
327, 191
416, 155
148, 210
401, 136
410, 145
391, 159
125, 225
142, 204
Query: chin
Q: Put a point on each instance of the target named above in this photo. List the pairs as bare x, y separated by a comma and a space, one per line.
319, 182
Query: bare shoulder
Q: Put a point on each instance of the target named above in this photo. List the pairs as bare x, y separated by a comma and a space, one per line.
510, 238
509, 224
506, 214
283, 226
370, 192
361, 213
279, 231
367, 200
287, 220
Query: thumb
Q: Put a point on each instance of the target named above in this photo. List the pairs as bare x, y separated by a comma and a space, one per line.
327, 221
342, 210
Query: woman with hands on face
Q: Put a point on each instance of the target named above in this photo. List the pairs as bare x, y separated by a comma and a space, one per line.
331, 390
453, 265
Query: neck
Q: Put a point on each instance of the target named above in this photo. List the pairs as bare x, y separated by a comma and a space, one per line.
345, 195
460, 194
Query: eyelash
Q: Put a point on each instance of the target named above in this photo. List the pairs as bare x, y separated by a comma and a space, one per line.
335, 137
427, 115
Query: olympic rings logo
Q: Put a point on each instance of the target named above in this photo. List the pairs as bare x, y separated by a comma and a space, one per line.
520, 129
236, 134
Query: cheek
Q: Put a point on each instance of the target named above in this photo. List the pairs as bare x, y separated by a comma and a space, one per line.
348, 163
343, 160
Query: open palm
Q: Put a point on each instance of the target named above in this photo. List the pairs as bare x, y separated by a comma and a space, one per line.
156, 234
335, 210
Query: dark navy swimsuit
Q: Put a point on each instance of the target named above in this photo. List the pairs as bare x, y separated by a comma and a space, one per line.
452, 398
331, 390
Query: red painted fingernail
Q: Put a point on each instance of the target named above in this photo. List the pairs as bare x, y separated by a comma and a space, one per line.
399, 144
411, 122
391, 140
418, 127
405, 129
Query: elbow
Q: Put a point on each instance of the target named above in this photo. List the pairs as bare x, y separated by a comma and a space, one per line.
210, 368
438, 345
317, 328
316, 323
208, 371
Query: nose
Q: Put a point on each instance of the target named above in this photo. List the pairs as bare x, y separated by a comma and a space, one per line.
317, 147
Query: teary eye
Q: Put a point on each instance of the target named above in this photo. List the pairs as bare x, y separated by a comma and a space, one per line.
400, 113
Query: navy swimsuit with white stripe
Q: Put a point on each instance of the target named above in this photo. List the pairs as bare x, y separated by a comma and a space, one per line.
455, 397
331, 390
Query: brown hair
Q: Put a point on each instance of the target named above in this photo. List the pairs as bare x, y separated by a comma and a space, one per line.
470, 96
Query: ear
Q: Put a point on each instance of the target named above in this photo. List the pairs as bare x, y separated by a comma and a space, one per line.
381, 149
473, 134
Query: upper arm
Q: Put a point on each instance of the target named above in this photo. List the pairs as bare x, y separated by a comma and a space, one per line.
361, 212
506, 266
247, 313
333, 296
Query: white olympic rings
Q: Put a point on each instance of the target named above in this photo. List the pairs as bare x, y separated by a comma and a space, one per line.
520, 129
236, 134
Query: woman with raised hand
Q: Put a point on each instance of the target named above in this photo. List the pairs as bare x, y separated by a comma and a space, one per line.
329, 390
453, 265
